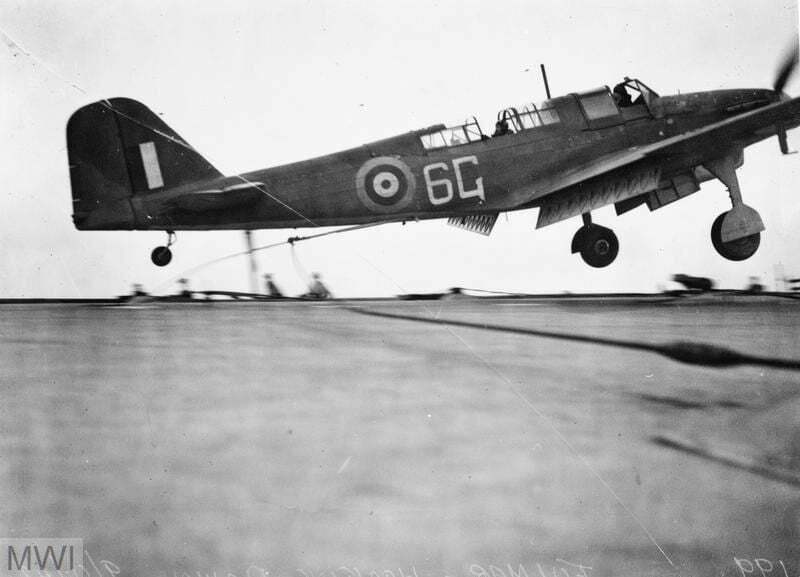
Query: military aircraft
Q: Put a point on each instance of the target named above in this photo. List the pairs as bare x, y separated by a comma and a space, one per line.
566, 156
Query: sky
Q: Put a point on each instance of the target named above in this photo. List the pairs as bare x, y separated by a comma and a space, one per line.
257, 84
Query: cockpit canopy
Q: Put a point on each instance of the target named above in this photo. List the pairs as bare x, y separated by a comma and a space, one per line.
599, 108
469, 131
601, 103
632, 91
527, 116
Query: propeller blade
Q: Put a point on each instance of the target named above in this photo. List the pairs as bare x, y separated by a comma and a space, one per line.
786, 70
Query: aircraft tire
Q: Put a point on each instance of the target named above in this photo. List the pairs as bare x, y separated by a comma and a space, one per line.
735, 250
161, 256
600, 246
577, 240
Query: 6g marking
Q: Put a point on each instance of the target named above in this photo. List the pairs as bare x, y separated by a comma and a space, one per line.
445, 184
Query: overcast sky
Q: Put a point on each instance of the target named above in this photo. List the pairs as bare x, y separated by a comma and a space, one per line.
256, 84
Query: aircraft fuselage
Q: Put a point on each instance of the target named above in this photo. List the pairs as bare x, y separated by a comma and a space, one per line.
399, 179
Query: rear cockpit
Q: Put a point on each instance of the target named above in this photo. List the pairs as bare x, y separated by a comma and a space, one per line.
457, 135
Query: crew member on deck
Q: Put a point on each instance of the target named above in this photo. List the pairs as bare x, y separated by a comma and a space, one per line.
185, 291
317, 289
272, 289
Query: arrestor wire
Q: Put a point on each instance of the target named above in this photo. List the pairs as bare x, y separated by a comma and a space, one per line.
298, 267
290, 241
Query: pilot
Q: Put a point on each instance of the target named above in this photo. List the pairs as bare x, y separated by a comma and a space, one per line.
501, 128
621, 96
272, 289
317, 289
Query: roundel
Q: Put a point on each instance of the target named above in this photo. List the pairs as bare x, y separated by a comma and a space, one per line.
385, 184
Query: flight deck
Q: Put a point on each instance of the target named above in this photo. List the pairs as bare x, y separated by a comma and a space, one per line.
308, 439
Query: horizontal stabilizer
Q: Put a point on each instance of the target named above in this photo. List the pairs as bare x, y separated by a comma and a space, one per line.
480, 223
219, 198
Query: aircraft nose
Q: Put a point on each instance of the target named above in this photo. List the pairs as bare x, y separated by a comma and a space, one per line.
739, 101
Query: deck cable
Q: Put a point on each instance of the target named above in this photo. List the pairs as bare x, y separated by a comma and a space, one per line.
291, 241
692, 353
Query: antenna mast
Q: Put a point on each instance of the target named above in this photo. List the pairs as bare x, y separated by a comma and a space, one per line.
544, 77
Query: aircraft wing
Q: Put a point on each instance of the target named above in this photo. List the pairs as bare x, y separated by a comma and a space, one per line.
742, 129
628, 173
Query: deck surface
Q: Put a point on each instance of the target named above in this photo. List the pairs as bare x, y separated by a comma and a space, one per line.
305, 439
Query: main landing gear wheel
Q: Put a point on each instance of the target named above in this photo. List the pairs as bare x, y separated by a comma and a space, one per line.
597, 244
741, 226
162, 255
735, 250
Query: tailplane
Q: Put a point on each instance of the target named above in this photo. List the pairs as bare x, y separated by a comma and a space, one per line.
119, 148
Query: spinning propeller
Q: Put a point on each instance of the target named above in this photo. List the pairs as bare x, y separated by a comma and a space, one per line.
786, 70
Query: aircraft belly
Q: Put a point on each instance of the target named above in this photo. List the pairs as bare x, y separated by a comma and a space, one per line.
598, 192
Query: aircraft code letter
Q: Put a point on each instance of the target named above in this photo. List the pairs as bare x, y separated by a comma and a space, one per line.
445, 182
478, 190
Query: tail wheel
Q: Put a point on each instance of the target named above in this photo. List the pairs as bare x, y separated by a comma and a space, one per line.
161, 256
735, 250
600, 246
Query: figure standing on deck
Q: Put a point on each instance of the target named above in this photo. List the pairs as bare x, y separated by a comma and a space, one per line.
317, 289
185, 291
272, 289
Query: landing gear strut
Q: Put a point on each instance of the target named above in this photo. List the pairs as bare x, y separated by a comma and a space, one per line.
597, 244
735, 234
161, 255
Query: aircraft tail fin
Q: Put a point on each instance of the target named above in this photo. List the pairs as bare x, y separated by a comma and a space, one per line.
119, 148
